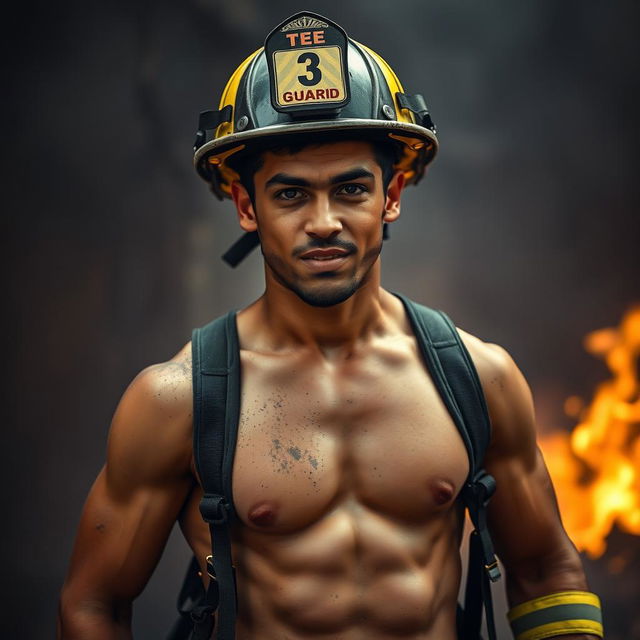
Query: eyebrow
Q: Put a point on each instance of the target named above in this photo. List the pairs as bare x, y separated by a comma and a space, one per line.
294, 181
352, 174
286, 179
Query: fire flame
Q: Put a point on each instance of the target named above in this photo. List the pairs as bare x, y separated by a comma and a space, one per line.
596, 468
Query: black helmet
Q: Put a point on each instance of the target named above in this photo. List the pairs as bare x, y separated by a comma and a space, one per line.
311, 78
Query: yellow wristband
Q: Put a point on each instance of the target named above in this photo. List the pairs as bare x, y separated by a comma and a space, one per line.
557, 614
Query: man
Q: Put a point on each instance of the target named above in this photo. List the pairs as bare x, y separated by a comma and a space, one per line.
348, 468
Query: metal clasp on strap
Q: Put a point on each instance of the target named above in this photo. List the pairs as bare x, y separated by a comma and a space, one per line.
493, 571
210, 570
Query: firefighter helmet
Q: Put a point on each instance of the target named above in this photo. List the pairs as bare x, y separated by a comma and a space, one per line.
310, 78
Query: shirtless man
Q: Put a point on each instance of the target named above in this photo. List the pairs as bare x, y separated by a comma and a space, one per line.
348, 466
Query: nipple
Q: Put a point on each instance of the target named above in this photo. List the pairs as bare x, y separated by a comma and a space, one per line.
442, 491
263, 514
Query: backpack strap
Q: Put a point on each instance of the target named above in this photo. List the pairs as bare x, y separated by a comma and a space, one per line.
456, 379
216, 398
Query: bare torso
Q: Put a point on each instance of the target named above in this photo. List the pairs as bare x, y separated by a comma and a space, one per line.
345, 482
348, 467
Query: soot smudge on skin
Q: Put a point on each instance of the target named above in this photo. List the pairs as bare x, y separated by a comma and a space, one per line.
295, 452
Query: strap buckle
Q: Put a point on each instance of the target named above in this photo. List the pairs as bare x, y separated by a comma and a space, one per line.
481, 488
493, 571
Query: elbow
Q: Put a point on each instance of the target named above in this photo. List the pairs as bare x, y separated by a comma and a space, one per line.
86, 617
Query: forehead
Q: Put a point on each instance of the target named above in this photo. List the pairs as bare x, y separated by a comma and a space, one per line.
319, 160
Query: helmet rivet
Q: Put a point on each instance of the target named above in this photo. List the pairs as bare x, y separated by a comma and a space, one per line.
388, 112
242, 123
214, 160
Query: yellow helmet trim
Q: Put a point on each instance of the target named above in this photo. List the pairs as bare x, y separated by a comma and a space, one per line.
393, 83
230, 92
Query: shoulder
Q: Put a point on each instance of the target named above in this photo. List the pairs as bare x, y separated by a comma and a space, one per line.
508, 397
494, 364
165, 386
150, 435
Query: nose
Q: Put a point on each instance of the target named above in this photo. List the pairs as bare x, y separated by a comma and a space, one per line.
321, 221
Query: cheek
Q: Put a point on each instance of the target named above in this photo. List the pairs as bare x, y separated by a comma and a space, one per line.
276, 230
278, 242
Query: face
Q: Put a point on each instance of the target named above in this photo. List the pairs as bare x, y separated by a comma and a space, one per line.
319, 214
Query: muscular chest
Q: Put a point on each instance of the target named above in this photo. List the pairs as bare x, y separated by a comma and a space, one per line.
313, 435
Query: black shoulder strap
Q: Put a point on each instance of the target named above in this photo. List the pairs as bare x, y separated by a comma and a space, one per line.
216, 406
456, 379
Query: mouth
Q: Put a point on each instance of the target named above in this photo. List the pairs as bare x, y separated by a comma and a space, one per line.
318, 260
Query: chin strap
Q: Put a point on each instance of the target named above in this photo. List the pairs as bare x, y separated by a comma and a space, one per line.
244, 245
241, 248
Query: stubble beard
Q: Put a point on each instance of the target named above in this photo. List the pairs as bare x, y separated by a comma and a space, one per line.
327, 296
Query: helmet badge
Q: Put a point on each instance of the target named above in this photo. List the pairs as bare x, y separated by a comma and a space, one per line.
307, 61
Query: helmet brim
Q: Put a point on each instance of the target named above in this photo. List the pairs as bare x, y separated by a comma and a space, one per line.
420, 145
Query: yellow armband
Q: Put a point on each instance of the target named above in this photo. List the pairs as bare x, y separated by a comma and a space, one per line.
557, 614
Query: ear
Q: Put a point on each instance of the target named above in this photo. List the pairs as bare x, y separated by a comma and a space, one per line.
392, 202
244, 207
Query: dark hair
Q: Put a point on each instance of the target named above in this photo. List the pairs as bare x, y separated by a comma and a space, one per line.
387, 154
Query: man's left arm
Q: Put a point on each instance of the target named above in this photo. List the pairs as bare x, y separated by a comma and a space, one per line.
524, 520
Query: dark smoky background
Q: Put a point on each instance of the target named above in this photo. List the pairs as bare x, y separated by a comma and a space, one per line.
525, 229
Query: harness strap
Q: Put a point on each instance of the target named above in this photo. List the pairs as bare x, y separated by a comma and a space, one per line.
215, 511
216, 392
482, 568
454, 376
457, 381
476, 495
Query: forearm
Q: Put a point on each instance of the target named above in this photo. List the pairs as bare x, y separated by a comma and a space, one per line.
537, 577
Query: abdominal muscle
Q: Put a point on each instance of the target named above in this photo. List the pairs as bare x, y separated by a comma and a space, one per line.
353, 575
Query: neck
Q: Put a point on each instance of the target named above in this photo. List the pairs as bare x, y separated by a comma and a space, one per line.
282, 320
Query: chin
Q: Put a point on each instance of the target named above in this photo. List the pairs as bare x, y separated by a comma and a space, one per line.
327, 296
322, 290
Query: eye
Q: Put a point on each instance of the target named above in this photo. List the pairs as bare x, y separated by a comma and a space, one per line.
288, 194
352, 189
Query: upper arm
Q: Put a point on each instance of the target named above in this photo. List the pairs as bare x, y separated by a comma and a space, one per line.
137, 496
523, 514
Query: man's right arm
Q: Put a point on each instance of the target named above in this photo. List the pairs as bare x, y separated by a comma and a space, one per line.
132, 505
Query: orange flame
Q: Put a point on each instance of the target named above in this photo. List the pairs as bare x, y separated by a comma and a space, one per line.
596, 468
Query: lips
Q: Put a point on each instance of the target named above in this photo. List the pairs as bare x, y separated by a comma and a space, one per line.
324, 260
323, 254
